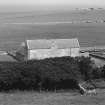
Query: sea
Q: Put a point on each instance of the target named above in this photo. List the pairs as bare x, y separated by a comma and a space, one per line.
19, 24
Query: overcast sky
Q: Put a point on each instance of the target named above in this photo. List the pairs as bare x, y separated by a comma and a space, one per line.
53, 2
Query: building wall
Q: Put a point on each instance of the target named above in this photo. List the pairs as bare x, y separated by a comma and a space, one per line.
75, 52
38, 54
47, 53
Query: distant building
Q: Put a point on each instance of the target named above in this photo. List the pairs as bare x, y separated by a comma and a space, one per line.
49, 48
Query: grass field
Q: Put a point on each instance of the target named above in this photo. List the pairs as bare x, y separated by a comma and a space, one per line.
50, 98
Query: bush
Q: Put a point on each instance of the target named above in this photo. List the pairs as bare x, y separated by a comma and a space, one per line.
47, 74
86, 67
97, 73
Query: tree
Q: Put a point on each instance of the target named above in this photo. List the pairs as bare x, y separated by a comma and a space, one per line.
85, 66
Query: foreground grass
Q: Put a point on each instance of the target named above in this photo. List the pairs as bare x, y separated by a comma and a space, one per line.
51, 98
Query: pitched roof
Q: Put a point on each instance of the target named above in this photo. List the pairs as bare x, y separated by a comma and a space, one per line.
67, 43
48, 43
39, 44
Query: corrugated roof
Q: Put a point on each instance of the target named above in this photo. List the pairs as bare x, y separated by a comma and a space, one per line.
67, 43
48, 43
39, 44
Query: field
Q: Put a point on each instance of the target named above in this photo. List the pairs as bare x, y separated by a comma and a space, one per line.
51, 98
16, 27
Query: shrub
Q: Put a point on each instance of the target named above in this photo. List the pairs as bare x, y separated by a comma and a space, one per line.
52, 73
85, 67
97, 73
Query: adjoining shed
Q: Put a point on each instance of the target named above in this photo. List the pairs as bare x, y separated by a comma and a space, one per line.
48, 48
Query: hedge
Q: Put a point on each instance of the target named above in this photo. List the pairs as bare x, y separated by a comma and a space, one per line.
47, 74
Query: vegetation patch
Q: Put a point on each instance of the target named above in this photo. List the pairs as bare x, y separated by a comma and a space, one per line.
48, 74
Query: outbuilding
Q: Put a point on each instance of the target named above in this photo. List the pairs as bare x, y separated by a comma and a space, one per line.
50, 48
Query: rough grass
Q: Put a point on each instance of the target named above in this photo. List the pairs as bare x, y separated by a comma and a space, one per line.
51, 98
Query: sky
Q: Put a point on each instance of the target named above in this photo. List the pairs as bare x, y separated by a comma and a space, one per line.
53, 2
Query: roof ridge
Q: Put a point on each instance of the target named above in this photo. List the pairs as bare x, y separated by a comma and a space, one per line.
53, 39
